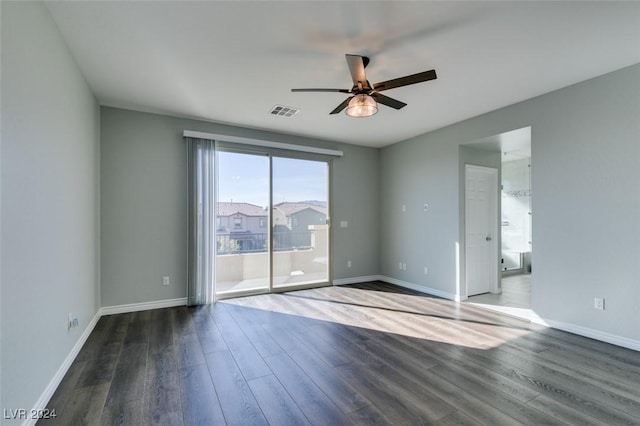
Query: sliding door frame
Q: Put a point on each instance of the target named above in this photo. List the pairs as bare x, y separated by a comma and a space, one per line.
271, 153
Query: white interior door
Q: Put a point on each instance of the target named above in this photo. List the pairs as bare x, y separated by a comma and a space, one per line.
481, 256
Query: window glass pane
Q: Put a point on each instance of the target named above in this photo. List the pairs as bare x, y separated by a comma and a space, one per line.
300, 230
242, 256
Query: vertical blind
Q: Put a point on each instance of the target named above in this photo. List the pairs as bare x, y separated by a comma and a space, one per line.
201, 244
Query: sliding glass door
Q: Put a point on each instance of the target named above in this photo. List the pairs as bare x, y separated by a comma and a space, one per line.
272, 229
242, 223
300, 222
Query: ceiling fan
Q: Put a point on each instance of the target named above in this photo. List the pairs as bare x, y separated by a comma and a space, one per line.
365, 97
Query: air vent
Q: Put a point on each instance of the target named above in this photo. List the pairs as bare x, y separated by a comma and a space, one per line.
284, 111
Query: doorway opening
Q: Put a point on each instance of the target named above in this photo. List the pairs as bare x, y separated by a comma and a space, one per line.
515, 219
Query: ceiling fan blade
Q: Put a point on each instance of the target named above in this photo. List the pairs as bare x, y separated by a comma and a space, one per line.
322, 90
356, 68
342, 106
390, 102
405, 81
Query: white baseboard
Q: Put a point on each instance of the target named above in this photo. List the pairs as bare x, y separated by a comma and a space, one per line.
143, 306
357, 280
420, 288
614, 339
400, 283
48, 392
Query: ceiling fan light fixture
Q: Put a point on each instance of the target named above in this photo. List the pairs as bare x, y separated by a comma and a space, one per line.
362, 106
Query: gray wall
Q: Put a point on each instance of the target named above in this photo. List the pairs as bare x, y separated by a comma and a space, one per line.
586, 232
144, 204
50, 205
414, 174
356, 178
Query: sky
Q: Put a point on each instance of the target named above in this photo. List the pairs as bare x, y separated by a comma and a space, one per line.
245, 178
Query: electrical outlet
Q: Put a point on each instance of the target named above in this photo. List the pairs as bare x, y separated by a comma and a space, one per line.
72, 321
400, 266
426, 207
426, 270
348, 264
404, 208
166, 281
598, 303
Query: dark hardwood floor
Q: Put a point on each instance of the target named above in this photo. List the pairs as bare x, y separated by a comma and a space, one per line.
360, 354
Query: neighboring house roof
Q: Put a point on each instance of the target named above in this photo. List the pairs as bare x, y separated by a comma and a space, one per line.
247, 209
290, 209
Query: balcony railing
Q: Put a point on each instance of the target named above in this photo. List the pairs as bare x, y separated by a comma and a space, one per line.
244, 263
244, 243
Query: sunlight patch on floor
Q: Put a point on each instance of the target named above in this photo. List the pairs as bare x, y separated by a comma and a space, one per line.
524, 313
408, 315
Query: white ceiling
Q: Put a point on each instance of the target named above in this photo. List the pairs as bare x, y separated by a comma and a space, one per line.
231, 62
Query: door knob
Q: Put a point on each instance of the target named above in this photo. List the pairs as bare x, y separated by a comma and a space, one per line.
488, 238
